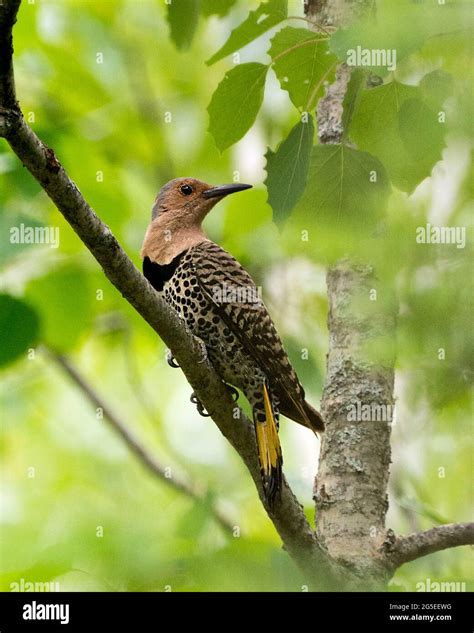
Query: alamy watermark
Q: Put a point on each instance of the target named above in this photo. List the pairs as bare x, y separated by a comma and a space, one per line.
430, 234
383, 57
373, 412
237, 294
435, 587
35, 235
23, 585
40, 611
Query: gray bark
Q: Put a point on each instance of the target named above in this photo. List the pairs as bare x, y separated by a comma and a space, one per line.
351, 485
404, 549
338, 13
350, 489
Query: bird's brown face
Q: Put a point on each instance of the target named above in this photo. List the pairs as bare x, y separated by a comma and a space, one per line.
191, 199
177, 214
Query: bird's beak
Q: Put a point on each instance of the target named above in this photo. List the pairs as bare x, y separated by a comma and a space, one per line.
224, 190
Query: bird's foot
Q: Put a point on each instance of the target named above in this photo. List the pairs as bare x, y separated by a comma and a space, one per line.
233, 392
199, 406
170, 359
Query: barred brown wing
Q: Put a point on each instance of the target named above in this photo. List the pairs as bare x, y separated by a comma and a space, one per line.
231, 289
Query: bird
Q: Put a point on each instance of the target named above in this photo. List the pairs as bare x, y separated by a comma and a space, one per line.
221, 305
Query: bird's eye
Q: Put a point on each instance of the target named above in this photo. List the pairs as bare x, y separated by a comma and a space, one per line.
186, 190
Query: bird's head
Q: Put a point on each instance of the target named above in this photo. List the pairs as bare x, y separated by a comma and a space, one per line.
189, 200
179, 209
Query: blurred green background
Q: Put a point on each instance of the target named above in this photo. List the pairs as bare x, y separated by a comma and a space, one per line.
125, 111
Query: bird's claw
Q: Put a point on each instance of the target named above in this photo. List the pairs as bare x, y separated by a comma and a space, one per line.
170, 359
199, 406
233, 392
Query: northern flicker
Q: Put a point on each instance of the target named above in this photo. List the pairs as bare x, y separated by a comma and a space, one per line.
220, 304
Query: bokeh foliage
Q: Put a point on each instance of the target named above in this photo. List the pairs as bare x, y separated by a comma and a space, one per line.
125, 92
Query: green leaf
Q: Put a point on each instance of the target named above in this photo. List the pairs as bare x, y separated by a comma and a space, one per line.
346, 187
266, 16
216, 7
183, 16
436, 87
401, 27
287, 169
235, 103
19, 326
382, 126
421, 134
66, 305
340, 211
365, 45
302, 62
352, 97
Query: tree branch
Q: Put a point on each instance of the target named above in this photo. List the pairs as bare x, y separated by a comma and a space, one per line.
8, 11
403, 549
133, 443
287, 516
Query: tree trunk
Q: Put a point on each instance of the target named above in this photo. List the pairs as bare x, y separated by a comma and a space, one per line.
350, 489
351, 485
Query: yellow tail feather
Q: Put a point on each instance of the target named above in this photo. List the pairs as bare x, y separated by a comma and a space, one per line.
269, 450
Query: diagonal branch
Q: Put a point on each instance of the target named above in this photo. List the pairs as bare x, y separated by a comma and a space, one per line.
133, 443
287, 516
8, 11
407, 548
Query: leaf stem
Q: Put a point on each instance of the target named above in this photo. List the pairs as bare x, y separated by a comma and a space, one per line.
308, 21
318, 86
296, 46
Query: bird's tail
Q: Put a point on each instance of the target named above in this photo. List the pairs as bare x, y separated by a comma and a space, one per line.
269, 450
314, 419
296, 408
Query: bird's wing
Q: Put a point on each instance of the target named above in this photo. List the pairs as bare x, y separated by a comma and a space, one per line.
231, 289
